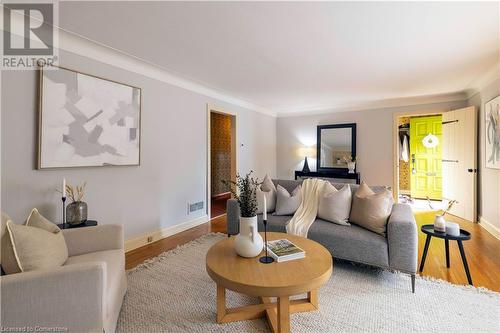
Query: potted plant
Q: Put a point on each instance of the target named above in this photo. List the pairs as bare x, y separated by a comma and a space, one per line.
76, 210
248, 243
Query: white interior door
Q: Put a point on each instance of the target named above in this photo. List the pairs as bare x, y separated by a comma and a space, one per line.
460, 161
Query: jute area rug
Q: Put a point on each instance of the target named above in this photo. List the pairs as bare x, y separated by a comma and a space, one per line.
173, 293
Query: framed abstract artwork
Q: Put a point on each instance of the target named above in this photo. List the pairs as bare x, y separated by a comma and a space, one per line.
87, 121
492, 133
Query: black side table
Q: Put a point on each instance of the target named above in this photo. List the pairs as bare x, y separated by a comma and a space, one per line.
428, 229
88, 223
329, 174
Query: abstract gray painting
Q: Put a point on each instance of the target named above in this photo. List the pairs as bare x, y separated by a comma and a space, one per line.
492, 132
87, 121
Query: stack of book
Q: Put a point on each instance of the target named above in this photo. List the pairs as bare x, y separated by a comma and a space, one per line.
284, 250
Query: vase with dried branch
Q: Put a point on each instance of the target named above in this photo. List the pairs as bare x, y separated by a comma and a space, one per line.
439, 221
76, 210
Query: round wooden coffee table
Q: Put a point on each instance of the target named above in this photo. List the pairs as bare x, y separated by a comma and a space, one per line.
278, 279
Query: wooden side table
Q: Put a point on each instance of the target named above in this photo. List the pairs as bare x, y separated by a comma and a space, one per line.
88, 223
428, 229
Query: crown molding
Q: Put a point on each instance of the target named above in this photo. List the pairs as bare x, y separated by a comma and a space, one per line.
377, 104
78, 44
484, 80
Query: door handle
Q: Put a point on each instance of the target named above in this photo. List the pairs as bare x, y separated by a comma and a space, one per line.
472, 170
453, 161
413, 159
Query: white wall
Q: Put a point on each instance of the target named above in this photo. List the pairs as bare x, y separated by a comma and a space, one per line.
374, 139
173, 153
489, 179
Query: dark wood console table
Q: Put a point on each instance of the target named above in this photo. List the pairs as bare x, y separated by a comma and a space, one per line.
329, 174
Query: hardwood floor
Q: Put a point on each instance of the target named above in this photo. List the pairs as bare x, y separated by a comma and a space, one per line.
218, 205
483, 252
137, 256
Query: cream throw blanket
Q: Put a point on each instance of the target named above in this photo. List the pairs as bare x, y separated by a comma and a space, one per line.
306, 213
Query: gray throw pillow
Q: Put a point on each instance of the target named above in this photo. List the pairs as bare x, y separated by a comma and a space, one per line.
371, 210
335, 205
286, 203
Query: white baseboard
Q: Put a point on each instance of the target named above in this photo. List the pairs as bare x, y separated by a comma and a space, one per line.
134, 243
489, 227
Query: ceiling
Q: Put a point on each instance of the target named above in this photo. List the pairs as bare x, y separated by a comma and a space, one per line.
298, 56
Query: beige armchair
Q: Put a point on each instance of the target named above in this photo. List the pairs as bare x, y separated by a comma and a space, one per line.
83, 295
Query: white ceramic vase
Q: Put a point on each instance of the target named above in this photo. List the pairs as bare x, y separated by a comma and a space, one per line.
440, 223
351, 166
248, 242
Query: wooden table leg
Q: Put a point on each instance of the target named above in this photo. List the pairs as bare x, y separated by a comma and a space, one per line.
447, 248
313, 298
427, 242
464, 261
283, 314
221, 303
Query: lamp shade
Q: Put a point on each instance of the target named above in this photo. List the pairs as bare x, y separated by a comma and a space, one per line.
307, 152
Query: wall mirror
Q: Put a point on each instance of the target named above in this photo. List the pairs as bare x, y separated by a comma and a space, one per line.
334, 143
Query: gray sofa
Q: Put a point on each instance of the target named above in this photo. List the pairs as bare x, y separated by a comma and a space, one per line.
83, 295
398, 251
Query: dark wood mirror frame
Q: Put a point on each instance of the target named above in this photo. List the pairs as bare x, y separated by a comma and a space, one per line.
352, 126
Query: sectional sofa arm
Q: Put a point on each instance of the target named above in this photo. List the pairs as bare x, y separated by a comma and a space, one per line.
233, 217
69, 297
93, 239
402, 237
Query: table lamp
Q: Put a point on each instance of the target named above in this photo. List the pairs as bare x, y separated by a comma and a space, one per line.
306, 152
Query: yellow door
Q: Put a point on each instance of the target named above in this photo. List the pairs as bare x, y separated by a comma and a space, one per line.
425, 157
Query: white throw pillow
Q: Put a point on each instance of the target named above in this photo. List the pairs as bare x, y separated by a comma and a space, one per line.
371, 210
39, 244
268, 190
286, 203
267, 184
335, 205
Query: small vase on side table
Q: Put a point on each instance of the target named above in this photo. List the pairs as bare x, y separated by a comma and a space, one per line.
440, 223
351, 166
76, 213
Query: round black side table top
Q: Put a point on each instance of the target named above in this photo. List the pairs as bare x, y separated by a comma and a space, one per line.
88, 223
429, 230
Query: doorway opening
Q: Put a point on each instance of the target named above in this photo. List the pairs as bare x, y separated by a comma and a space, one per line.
420, 161
222, 160
435, 160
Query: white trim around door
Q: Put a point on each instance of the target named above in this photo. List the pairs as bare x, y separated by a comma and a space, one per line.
234, 156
